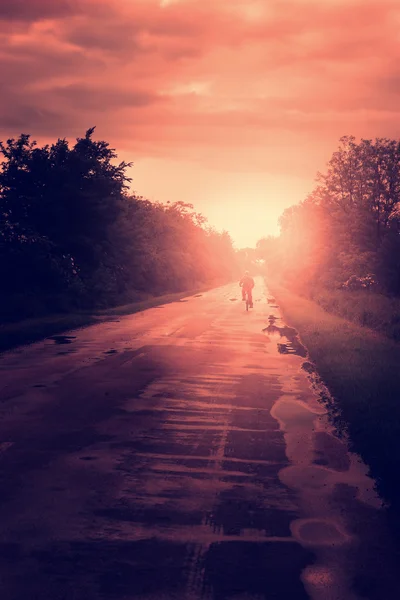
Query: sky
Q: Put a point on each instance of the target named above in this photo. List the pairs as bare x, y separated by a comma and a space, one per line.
231, 105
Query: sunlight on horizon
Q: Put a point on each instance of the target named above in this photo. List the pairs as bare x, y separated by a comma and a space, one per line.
245, 222
247, 205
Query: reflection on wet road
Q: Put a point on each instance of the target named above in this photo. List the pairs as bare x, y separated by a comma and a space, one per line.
181, 453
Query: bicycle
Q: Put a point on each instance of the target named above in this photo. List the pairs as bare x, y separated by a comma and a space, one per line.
248, 303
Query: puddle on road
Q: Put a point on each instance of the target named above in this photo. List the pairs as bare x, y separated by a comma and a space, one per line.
318, 532
286, 338
327, 521
332, 484
63, 339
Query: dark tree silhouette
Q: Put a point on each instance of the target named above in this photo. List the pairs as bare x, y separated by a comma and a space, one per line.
72, 236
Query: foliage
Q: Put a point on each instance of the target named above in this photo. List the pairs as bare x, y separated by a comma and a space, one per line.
72, 236
364, 307
349, 226
360, 283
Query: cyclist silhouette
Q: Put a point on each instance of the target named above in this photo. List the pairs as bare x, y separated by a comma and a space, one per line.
247, 284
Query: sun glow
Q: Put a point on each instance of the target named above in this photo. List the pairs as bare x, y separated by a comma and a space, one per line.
247, 205
247, 221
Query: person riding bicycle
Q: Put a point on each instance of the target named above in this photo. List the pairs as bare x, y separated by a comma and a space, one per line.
247, 284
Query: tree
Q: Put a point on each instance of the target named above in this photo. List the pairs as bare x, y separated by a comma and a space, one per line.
347, 224
72, 235
64, 200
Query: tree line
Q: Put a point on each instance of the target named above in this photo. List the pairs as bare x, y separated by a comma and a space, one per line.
346, 233
73, 236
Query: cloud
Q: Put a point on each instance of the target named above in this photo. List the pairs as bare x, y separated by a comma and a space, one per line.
34, 10
85, 97
235, 84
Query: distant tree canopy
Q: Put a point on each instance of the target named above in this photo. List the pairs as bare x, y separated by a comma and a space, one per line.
71, 234
349, 226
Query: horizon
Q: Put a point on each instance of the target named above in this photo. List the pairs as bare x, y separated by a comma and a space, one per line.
231, 108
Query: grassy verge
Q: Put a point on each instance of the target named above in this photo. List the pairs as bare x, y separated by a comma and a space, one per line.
361, 368
33, 330
363, 307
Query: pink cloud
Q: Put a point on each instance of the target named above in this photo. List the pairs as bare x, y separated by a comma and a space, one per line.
203, 80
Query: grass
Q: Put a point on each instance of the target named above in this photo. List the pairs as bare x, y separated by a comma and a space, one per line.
32, 330
361, 368
365, 308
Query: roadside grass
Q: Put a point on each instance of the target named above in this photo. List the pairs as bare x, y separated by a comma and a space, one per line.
35, 329
361, 369
363, 308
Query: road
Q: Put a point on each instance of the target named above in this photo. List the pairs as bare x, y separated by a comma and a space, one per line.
181, 453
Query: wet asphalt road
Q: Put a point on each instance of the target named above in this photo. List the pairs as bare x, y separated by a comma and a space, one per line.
181, 453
